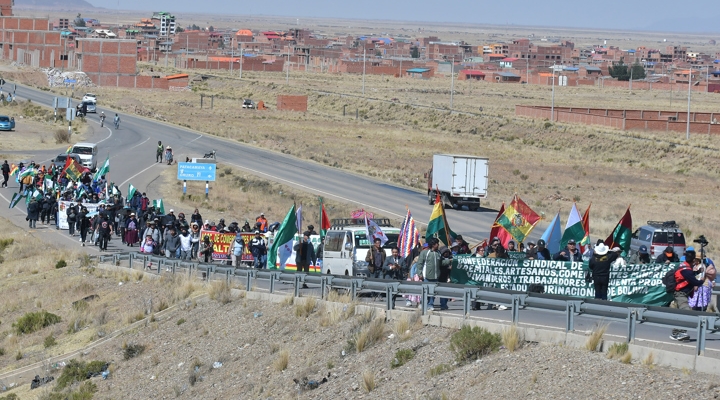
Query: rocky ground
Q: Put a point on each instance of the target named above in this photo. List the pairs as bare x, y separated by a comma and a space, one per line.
233, 347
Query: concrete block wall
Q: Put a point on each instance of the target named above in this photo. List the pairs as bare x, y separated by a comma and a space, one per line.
292, 103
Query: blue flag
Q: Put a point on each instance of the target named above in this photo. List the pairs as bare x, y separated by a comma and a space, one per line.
553, 235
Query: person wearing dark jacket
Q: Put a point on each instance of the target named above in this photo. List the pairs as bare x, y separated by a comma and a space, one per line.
304, 255
5, 173
33, 211
600, 267
375, 258
83, 224
570, 253
668, 256
496, 249
685, 284
71, 212
46, 204
540, 252
394, 266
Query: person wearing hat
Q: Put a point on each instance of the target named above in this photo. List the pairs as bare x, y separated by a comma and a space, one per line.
258, 248
706, 273
540, 252
131, 231
375, 258
641, 256
311, 229
496, 249
262, 223
196, 217
153, 232
221, 225
236, 249
304, 255
668, 256
195, 239
511, 246
171, 243
463, 246
600, 268
569, 253
246, 227
685, 286
104, 230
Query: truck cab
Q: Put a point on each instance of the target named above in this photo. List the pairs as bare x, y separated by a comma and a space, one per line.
346, 245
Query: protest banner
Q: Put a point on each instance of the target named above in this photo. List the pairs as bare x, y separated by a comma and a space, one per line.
222, 244
631, 283
62, 211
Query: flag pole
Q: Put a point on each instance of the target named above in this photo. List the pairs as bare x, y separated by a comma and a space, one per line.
445, 223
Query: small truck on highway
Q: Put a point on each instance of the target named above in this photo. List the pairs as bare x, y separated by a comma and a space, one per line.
461, 180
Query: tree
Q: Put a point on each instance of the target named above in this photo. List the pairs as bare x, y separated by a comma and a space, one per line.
414, 52
211, 29
619, 71
638, 71
79, 21
179, 29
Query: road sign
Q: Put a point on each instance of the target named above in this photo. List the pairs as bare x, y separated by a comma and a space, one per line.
70, 114
70, 80
196, 172
62, 102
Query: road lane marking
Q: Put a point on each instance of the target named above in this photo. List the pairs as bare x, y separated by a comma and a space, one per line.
128, 179
194, 139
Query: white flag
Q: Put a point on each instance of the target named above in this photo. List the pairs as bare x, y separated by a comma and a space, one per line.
298, 218
374, 232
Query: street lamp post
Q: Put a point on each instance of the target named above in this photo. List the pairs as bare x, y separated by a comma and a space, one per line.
363, 81
452, 80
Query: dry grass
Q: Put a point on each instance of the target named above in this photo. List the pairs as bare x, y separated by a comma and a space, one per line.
368, 380
281, 362
333, 313
288, 300
511, 338
369, 334
627, 358
617, 350
649, 361
334, 296
220, 292
305, 307
594, 342
405, 326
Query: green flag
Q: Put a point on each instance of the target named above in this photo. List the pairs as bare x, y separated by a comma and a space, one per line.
35, 194
284, 234
574, 229
102, 171
15, 199
80, 192
158, 204
622, 234
27, 172
131, 191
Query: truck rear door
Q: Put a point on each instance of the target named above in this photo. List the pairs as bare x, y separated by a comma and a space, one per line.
470, 177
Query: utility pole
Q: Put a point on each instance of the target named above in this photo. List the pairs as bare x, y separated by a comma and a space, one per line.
631, 71
452, 80
527, 69
552, 105
363, 81
241, 59
287, 74
687, 133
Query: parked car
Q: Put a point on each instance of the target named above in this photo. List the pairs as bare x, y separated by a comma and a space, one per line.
247, 103
90, 97
7, 123
61, 159
658, 235
90, 106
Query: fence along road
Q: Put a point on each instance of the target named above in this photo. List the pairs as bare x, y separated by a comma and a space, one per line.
627, 322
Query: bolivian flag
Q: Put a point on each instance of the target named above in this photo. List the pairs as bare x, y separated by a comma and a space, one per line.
14, 169
518, 219
438, 226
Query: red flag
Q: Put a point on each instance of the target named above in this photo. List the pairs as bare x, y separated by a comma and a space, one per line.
585, 243
497, 231
621, 235
324, 221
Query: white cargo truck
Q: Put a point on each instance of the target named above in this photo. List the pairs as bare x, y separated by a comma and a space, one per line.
461, 180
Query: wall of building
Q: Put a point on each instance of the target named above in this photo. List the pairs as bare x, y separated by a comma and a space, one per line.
292, 103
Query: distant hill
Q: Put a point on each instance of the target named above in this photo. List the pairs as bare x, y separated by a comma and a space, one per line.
54, 4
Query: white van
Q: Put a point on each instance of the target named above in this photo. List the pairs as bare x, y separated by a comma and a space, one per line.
88, 153
346, 245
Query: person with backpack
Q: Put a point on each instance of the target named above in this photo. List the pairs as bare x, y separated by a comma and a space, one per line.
258, 248
682, 283
71, 214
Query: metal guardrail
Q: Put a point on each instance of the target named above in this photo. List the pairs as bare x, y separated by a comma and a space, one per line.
632, 314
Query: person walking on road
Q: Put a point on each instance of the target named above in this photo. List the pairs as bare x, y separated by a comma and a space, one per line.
159, 152
117, 121
5, 173
83, 224
33, 212
304, 255
104, 232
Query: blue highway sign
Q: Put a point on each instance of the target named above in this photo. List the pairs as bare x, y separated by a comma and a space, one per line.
196, 172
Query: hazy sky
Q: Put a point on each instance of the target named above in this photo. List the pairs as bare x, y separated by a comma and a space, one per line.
661, 15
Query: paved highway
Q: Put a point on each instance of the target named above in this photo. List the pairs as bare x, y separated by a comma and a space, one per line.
132, 152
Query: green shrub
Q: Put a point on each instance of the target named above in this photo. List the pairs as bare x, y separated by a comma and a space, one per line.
401, 357
60, 264
11, 396
84, 392
439, 370
473, 343
181, 321
50, 341
617, 350
34, 321
78, 371
4, 243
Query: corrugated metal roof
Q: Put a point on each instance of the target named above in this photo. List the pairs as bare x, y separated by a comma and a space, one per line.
418, 70
507, 74
591, 68
510, 59
472, 72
